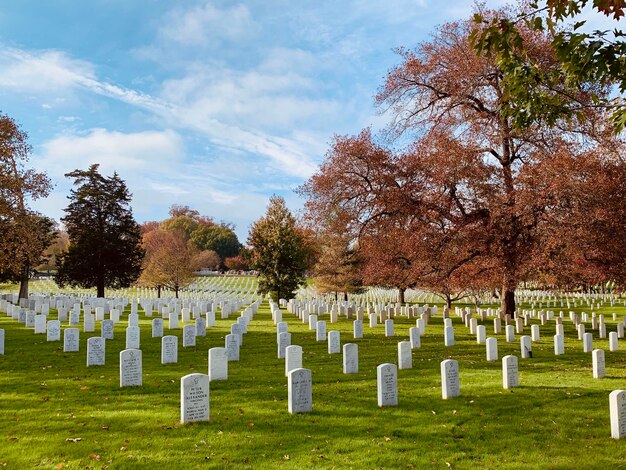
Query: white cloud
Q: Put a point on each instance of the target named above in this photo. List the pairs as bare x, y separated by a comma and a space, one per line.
206, 24
149, 151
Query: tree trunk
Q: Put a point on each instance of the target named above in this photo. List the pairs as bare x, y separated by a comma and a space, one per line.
449, 301
176, 291
158, 292
508, 297
24, 283
401, 291
100, 287
345, 296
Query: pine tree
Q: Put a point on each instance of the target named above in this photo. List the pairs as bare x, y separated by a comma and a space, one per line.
279, 251
105, 240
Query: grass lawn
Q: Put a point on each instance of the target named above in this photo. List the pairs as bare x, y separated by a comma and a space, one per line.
57, 413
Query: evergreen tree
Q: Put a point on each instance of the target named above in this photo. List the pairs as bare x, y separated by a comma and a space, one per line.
279, 251
105, 240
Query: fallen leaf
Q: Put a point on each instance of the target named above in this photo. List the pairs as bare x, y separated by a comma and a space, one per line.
95, 457
123, 448
83, 388
105, 427
250, 424
286, 457
387, 439
74, 439
59, 466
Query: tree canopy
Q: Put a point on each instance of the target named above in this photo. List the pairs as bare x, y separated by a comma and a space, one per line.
279, 251
105, 240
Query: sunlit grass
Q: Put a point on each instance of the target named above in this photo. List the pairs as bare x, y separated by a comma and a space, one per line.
558, 418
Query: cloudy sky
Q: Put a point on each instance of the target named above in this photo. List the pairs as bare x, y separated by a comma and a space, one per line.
212, 104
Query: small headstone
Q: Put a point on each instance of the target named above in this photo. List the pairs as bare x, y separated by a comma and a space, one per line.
597, 356
106, 328
481, 334
89, 323
334, 342
415, 338
1, 342
617, 408
510, 333
133, 337
613, 344
559, 345
218, 364
357, 328
95, 351
450, 386
587, 342
53, 328
526, 347
194, 398
284, 340
71, 339
448, 336
133, 319
40, 324
173, 321
300, 391
350, 358
130, 368
492, 349
405, 357
312, 322
200, 326
320, 331
157, 328
534, 333
387, 380
169, 349
293, 358
510, 377
189, 336
389, 327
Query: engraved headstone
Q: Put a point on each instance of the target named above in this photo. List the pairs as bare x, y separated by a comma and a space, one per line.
189, 336
357, 329
559, 345
130, 368
450, 385
350, 358
334, 342
194, 398
157, 328
300, 391
387, 380
71, 340
510, 377
415, 338
107, 329
218, 364
491, 345
53, 330
169, 349
405, 357
95, 351
617, 408
284, 340
526, 347
597, 356
133, 337
293, 358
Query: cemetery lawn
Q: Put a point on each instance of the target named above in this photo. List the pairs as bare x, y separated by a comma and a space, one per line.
55, 413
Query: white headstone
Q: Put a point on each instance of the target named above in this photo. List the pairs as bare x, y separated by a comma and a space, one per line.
448, 336
613, 344
526, 347
587, 342
481, 334
284, 340
387, 380
89, 323
617, 408
169, 349
405, 357
173, 321
450, 385
415, 338
157, 328
95, 351
559, 345
510, 377
357, 328
491, 345
312, 322
389, 327
497, 326
334, 342
1, 342
53, 330
350, 358
293, 358
510, 333
597, 356
133, 337
71, 339
130, 368
218, 364
300, 391
320, 331
107, 329
189, 336
200, 326
194, 398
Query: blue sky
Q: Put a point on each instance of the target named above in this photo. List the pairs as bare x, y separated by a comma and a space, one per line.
212, 104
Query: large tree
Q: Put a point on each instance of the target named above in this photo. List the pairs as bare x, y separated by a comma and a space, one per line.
24, 233
472, 189
279, 251
105, 240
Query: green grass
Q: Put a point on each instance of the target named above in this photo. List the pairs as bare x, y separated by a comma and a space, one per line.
557, 418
